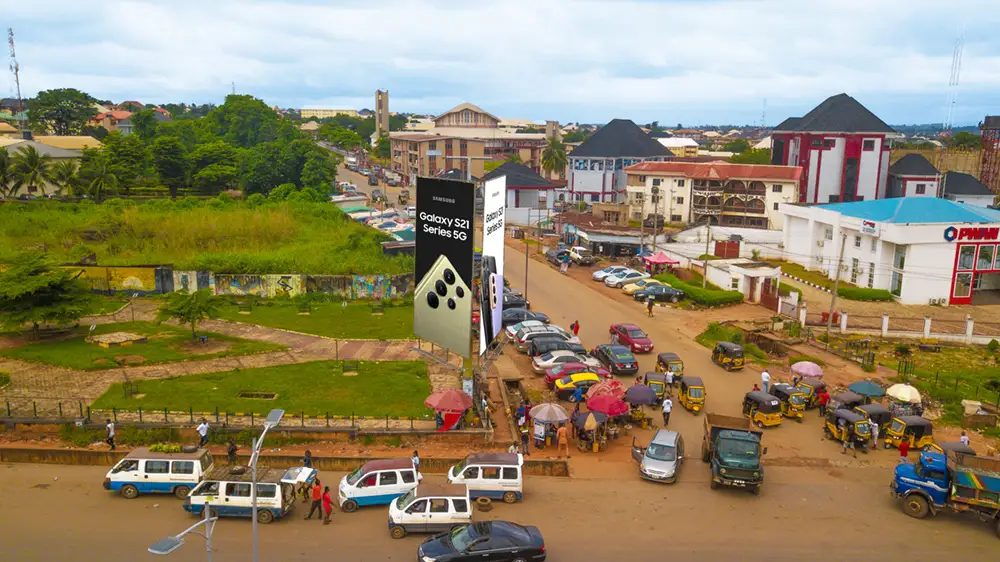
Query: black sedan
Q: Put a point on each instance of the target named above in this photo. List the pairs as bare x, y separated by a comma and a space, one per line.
488, 540
659, 293
556, 257
511, 300
512, 316
617, 358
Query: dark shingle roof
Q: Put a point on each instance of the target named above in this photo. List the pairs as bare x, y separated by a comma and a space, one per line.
620, 137
958, 183
991, 122
518, 175
913, 165
838, 114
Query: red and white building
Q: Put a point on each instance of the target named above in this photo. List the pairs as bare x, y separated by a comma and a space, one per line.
913, 176
842, 148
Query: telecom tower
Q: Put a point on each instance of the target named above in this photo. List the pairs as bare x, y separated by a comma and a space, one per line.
990, 169
15, 70
956, 71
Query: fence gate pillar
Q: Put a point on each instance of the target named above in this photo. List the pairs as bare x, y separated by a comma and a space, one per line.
927, 326
802, 314
885, 324
968, 328
843, 322
781, 303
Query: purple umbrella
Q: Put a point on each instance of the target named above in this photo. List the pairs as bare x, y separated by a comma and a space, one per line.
808, 369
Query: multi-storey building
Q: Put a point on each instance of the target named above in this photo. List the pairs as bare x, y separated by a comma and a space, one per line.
381, 113
597, 167
326, 113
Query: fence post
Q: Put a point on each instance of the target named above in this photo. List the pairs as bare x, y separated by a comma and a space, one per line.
328, 419
302, 418
165, 418
34, 408
352, 419
88, 413
8, 408
227, 418
191, 413
140, 414
927, 326
60, 410
802, 315
968, 329
81, 408
251, 418
885, 324
843, 322
387, 421
411, 423
956, 384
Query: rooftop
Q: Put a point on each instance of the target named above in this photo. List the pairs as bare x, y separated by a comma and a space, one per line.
960, 183
42, 149
519, 176
620, 138
68, 142
463, 107
676, 142
718, 170
837, 114
913, 165
915, 210
592, 224
478, 133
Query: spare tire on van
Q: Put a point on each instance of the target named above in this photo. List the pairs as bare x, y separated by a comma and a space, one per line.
189, 448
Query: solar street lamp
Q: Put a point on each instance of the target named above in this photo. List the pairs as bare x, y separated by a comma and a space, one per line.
272, 420
167, 545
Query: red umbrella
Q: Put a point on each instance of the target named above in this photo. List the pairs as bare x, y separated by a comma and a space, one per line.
607, 405
450, 400
609, 387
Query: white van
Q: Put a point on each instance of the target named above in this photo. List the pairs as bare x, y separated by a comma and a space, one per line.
227, 492
145, 472
377, 483
492, 475
430, 508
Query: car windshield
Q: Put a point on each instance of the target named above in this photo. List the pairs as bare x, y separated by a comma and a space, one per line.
463, 537
655, 385
636, 333
659, 452
406, 498
862, 427
354, 476
797, 399
609, 269
621, 355
546, 357
897, 426
738, 449
674, 367
558, 370
566, 380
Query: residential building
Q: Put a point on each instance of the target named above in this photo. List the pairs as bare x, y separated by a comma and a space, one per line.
68, 142
426, 154
924, 250
8, 130
125, 126
681, 147
310, 128
381, 113
12, 146
913, 176
717, 193
110, 119
603, 237
326, 113
965, 188
842, 147
597, 167
525, 188
130, 105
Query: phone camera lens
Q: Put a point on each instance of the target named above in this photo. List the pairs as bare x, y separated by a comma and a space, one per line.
460, 292
451, 304
449, 276
432, 300
441, 288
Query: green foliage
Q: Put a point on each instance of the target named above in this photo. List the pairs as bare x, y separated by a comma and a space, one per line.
98, 175
716, 332
964, 140
215, 178
752, 156
863, 294
130, 158
190, 308
170, 162
215, 152
144, 124
737, 146
491, 165
784, 289
164, 448
754, 351
31, 169
793, 359
33, 290
327, 317
903, 350
66, 177
576, 136
382, 148
124, 435
4, 378
868, 367
794, 329
339, 136
514, 158
64, 111
7, 176
706, 297
993, 346
244, 121
319, 173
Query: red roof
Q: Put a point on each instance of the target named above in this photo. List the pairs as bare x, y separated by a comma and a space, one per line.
720, 170
115, 114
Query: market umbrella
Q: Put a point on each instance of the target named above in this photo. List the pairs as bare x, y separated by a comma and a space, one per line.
589, 421
904, 393
451, 401
607, 405
549, 413
640, 394
609, 387
867, 388
808, 369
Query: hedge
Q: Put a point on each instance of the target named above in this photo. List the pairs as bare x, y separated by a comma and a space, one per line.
706, 297
863, 294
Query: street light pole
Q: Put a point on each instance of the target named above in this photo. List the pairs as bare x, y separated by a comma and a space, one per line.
273, 419
172, 543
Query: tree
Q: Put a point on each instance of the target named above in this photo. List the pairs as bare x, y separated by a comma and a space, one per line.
64, 111
65, 175
736, 145
383, 148
144, 123
244, 121
171, 163
96, 131
576, 136
752, 156
31, 169
216, 152
98, 174
261, 170
129, 156
33, 289
190, 308
6, 174
319, 173
215, 178
339, 136
554, 156
964, 140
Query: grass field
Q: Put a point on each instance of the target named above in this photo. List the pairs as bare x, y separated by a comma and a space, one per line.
717, 332
396, 388
107, 305
165, 344
330, 319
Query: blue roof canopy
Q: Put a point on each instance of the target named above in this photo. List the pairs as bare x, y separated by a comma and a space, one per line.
915, 210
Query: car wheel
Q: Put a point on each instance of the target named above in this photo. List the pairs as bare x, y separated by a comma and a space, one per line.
674, 298
397, 532
916, 506
350, 506
129, 492
572, 398
264, 517
619, 285
181, 492
509, 497
520, 560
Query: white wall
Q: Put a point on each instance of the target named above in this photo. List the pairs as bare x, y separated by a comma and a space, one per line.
813, 176
868, 171
910, 187
928, 272
831, 171
789, 194
799, 242
977, 200
721, 278
587, 183
883, 173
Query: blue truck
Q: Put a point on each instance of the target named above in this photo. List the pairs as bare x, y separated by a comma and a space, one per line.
949, 482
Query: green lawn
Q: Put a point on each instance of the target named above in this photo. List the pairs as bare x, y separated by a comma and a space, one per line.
165, 344
107, 305
330, 319
796, 270
717, 332
395, 388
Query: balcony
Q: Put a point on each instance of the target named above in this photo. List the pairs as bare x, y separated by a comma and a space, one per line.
743, 210
706, 210
705, 191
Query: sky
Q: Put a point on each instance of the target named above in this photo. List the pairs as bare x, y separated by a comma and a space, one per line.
690, 62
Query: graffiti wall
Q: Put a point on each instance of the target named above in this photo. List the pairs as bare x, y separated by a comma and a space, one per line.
191, 281
140, 280
258, 285
342, 285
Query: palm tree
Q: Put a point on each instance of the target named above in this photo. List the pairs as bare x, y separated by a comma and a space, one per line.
554, 156
31, 169
6, 174
64, 175
100, 176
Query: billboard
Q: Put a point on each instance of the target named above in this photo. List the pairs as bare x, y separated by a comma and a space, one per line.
442, 302
491, 276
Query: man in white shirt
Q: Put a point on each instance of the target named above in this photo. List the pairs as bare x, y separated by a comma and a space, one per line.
203, 431
964, 439
765, 380
670, 383
110, 439
668, 405
874, 434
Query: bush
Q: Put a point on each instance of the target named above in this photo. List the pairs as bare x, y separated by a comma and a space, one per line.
707, 297
863, 294
902, 350
993, 346
800, 358
868, 368
4, 378
755, 352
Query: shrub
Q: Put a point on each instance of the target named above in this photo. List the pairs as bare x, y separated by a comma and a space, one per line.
794, 329
755, 352
902, 350
800, 358
868, 368
707, 297
993, 346
863, 294
4, 378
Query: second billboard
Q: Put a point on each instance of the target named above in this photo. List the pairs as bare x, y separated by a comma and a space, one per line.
491, 276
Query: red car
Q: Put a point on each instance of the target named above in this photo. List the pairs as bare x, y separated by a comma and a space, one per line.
566, 369
632, 337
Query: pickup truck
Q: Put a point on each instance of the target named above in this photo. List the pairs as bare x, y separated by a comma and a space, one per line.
732, 446
581, 255
956, 482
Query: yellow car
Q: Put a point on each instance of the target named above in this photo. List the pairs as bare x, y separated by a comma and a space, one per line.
639, 285
566, 387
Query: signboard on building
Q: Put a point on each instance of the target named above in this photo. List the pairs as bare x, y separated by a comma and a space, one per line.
952, 234
869, 227
491, 276
433, 153
444, 255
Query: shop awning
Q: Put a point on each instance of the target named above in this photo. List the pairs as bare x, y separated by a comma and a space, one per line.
660, 259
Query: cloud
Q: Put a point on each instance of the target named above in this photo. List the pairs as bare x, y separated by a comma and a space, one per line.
586, 60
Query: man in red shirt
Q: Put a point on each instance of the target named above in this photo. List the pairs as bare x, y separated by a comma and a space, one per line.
317, 496
904, 451
575, 326
327, 505
824, 397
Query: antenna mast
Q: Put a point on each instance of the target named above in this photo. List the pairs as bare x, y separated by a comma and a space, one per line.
956, 71
233, 84
15, 69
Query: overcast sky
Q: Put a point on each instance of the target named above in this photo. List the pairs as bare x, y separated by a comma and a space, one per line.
693, 62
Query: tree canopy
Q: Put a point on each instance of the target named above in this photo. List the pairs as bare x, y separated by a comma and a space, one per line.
64, 111
34, 291
190, 308
736, 145
752, 156
963, 140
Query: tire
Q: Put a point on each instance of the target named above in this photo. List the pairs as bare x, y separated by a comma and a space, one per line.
571, 398
212, 513
182, 492
397, 532
520, 560
619, 285
674, 299
887, 445
509, 497
350, 506
713, 484
265, 516
916, 506
760, 424
189, 448
755, 490
129, 492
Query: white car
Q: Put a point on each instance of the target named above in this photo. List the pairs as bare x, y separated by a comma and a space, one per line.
513, 330
549, 360
610, 270
410, 212
622, 278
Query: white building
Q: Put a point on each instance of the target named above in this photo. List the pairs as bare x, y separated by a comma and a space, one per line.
925, 250
963, 188
597, 167
913, 176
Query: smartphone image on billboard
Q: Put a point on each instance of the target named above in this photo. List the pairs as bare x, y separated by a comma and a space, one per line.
443, 307
490, 298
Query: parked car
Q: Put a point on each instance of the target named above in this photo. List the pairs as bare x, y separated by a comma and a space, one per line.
617, 358
513, 329
512, 316
622, 278
566, 387
364, 171
373, 179
581, 255
654, 221
639, 285
542, 363
524, 336
511, 300
566, 369
377, 194
486, 540
659, 293
631, 336
557, 256
543, 345
602, 274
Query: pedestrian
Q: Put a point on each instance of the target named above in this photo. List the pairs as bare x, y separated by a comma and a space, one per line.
904, 451
524, 440
874, 425
670, 383
765, 380
527, 408
849, 443
307, 459
824, 397
578, 395
964, 439
755, 388
203, 432
327, 505
231, 452
649, 305
415, 459
562, 437
796, 379
317, 500
575, 326
512, 449
110, 439
668, 405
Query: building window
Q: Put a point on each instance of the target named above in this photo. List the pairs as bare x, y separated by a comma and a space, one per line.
816, 143
857, 241
871, 275
656, 182
595, 197
828, 235
463, 145
447, 145
874, 244
834, 199
859, 197
735, 284
854, 270
963, 285
433, 146
680, 183
680, 200
966, 257
921, 188
868, 145
828, 143
776, 188
676, 218
639, 197
642, 179
985, 260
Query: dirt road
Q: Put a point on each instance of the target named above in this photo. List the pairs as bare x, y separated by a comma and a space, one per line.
800, 515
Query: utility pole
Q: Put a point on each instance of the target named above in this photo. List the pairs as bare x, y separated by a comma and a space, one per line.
836, 283
708, 240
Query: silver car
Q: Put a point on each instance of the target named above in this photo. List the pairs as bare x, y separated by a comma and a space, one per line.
661, 459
